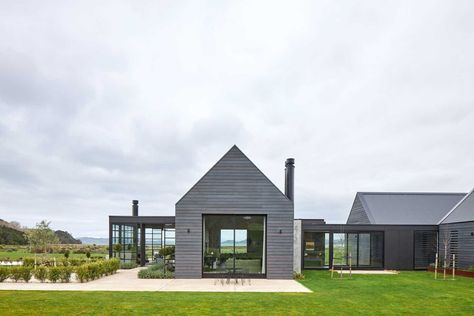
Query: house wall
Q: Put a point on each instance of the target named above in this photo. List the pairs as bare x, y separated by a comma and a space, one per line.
398, 240
234, 186
465, 242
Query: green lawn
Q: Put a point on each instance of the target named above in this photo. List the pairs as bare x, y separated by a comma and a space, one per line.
406, 293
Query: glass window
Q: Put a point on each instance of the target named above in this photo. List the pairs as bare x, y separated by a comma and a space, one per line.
233, 244
316, 250
339, 249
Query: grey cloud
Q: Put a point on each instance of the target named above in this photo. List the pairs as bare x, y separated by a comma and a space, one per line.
124, 101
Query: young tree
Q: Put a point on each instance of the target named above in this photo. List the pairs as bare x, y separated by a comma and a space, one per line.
446, 241
41, 237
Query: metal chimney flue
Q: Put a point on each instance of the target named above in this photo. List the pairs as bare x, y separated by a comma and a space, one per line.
290, 178
135, 208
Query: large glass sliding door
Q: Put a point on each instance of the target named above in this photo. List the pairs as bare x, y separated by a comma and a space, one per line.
359, 249
233, 244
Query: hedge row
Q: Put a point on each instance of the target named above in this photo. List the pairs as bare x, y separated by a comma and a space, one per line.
95, 270
84, 273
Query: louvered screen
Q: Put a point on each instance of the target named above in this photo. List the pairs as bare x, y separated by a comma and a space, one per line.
425, 248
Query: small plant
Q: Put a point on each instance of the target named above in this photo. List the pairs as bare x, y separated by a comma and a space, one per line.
41, 273
54, 274
88, 254
66, 253
4, 273
298, 276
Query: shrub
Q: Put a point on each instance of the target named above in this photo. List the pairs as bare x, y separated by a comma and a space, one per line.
41, 273
25, 273
155, 271
66, 253
4, 273
157, 274
82, 273
15, 273
65, 274
128, 265
29, 262
54, 274
167, 251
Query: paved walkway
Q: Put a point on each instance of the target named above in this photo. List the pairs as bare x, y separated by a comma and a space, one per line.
127, 280
368, 271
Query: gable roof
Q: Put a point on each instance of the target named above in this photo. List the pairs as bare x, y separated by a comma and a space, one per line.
403, 208
462, 211
236, 167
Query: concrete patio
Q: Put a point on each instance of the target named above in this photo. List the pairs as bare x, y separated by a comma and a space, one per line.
127, 280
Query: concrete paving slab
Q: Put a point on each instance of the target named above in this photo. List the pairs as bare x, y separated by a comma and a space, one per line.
127, 280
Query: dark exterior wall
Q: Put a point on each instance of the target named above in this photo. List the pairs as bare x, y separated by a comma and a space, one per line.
398, 240
234, 186
358, 214
465, 245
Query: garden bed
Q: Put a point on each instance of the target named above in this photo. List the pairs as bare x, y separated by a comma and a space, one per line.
469, 274
63, 272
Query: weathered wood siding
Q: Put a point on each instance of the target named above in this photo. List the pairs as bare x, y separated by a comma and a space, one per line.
234, 186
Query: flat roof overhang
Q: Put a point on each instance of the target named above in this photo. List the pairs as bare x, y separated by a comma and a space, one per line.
160, 221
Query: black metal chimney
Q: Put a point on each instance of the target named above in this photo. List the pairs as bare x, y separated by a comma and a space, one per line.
135, 208
290, 178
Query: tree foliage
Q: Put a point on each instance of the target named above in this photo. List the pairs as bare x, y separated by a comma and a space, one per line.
42, 236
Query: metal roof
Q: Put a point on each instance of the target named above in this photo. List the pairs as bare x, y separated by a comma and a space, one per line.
408, 208
462, 211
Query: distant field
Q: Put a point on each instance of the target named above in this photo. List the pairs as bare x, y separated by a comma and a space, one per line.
230, 249
15, 252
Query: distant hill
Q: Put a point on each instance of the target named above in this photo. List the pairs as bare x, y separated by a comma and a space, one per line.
94, 240
11, 236
66, 238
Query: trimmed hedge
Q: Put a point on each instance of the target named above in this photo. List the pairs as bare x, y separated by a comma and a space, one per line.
95, 270
62, 273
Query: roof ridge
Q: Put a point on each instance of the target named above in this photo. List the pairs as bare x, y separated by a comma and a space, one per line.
413, 193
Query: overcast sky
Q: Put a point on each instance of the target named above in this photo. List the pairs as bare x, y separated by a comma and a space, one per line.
104, 103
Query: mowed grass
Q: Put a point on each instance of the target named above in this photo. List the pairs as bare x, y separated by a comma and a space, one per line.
406, 293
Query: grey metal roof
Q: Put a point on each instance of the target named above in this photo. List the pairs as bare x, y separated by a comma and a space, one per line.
404, 208
462, 211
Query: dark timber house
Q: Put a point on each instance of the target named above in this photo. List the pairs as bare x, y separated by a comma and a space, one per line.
235, 221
